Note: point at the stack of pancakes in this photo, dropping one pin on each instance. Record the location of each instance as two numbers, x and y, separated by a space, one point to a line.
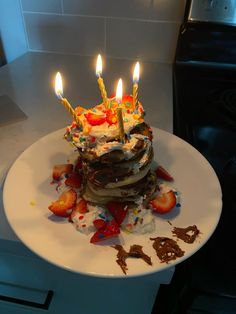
116 171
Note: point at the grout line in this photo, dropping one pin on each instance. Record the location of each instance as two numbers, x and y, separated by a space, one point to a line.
105 37
24 25
62 7
106 17
94 55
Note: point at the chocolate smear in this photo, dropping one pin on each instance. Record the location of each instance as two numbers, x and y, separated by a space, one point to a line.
135 251
187 234
166 249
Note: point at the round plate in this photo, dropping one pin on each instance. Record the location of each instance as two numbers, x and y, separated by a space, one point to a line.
28 192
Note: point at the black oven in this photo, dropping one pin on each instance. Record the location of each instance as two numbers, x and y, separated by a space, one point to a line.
204 89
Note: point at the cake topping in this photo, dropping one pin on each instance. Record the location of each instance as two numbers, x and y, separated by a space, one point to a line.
188 234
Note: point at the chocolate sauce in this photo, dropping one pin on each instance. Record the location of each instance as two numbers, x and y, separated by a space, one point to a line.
188 234
134 251
137 251
166 249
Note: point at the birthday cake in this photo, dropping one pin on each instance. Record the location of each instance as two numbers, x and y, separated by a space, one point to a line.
112 186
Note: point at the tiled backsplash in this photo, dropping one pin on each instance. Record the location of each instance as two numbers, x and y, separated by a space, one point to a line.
127 29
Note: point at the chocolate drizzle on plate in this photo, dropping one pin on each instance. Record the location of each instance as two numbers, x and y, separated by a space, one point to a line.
135 251
166 249
188 234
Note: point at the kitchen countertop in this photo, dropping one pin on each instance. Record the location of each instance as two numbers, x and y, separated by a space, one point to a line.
29 81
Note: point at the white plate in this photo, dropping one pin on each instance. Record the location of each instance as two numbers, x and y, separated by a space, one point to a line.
57 241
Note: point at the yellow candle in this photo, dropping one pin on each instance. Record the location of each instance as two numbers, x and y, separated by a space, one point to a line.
135 85
67 105
121 124
135 95
100 80
119 93
102 90
64 101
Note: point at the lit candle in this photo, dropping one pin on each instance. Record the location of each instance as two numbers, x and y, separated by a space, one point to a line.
135 85
64 101
119 93
100 80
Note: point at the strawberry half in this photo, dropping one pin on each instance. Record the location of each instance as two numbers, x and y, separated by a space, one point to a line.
79 110
111 229
78 165
62 206
163 203
118 211
59 170
127 100
95 119
162 173
80 207
99 223
111 116
74 180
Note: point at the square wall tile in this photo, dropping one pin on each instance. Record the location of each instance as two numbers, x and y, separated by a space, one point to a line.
170 10
65 34
150 41
46 6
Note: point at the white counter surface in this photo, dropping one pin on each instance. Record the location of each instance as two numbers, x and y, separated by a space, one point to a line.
29 81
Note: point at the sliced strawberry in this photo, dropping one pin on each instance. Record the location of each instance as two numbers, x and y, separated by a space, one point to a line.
163 203
111 116
99 223
62 206
78 165
74 180
118 211
127 100
95 119
162 173
79 110
59 170
81 206
111 229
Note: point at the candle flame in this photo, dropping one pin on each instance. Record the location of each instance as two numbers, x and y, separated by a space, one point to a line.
136 73
119 92
99 66
58 85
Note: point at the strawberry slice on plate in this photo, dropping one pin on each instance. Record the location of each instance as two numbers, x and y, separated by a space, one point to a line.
95 119
78 165
60 169
66 201
118 211
80 207
110 230
99 223
74 180
162 173
163 203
